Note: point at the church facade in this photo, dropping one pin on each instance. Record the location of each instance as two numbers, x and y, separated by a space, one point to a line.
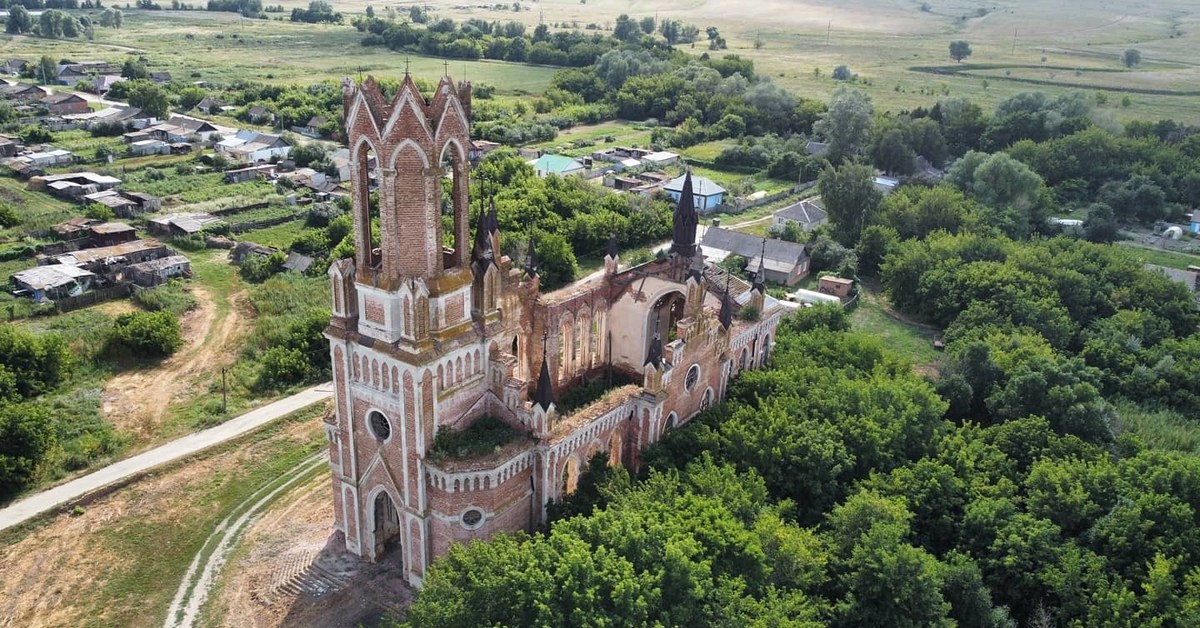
427 338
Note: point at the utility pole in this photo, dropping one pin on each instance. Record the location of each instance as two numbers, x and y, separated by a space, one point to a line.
828 32
1014 46
224 393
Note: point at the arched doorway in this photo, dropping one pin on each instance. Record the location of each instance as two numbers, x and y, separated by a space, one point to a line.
662 317
570 476
386 524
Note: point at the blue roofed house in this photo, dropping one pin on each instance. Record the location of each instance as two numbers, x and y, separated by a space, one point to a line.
705 193
556 164
1196 221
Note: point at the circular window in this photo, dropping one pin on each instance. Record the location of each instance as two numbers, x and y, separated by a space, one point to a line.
693 376
379 425
472 518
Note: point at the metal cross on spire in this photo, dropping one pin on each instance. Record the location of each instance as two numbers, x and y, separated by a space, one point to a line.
445 67
406 65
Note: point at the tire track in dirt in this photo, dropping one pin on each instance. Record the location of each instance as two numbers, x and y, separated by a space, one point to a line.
202 573
137 401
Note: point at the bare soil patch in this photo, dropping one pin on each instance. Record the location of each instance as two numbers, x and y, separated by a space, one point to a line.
293 570
137 401
78 570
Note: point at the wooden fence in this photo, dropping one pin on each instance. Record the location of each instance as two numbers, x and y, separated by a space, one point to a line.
67 304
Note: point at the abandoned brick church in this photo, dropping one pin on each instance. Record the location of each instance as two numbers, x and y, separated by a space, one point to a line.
427 338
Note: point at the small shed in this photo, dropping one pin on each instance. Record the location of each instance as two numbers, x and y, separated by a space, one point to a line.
111 233
157 272
837 286
297 262
53 281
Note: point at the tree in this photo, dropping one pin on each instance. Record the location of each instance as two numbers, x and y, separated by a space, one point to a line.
47 70
26 437
148 334
626 28
1131 57
890 153
876 242
1100 224
19 20
1012 191
846 126
960 49
647 25
850 199
147 96
842 73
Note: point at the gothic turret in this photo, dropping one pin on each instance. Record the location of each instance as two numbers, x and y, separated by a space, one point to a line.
725 316
611 255
683 241
543 395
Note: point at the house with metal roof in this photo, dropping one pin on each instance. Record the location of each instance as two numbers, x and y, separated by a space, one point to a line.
560 165
53 281
706 193
784 262
808 214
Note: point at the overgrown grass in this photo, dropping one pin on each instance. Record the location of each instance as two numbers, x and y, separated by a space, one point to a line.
1160 429
175 297
486 435
193 188
1170 259
910 340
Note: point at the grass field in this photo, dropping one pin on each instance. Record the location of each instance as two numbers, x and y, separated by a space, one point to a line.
882 40
1170 259
910 340
222 48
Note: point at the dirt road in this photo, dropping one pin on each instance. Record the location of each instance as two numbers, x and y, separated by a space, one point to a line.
137 401
50 499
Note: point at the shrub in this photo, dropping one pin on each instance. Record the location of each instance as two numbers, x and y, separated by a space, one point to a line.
171 297
8 216
259 268
96 211
283 366
147 334
34 134
842 73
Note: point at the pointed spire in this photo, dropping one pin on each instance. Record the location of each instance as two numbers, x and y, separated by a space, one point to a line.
683 241
759 282
482 251
544 393
611 250
655 354
493 222
725 316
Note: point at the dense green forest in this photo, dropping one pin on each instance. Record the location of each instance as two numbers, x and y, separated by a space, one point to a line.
839 488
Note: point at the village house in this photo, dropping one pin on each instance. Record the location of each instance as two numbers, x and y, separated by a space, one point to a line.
24 169
104 260
8 147
161 77
244 250
116 114
480 148
427 339
660 159
708 195
102 84
47 158
62 103
785 262
149 147
560 165
55 281
209 105
886 185
250 173
259 114
73 185
182 223
74 228
159 271
808 214
253 147
312 128
13 67
120 206
24 92
179 129
72 73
